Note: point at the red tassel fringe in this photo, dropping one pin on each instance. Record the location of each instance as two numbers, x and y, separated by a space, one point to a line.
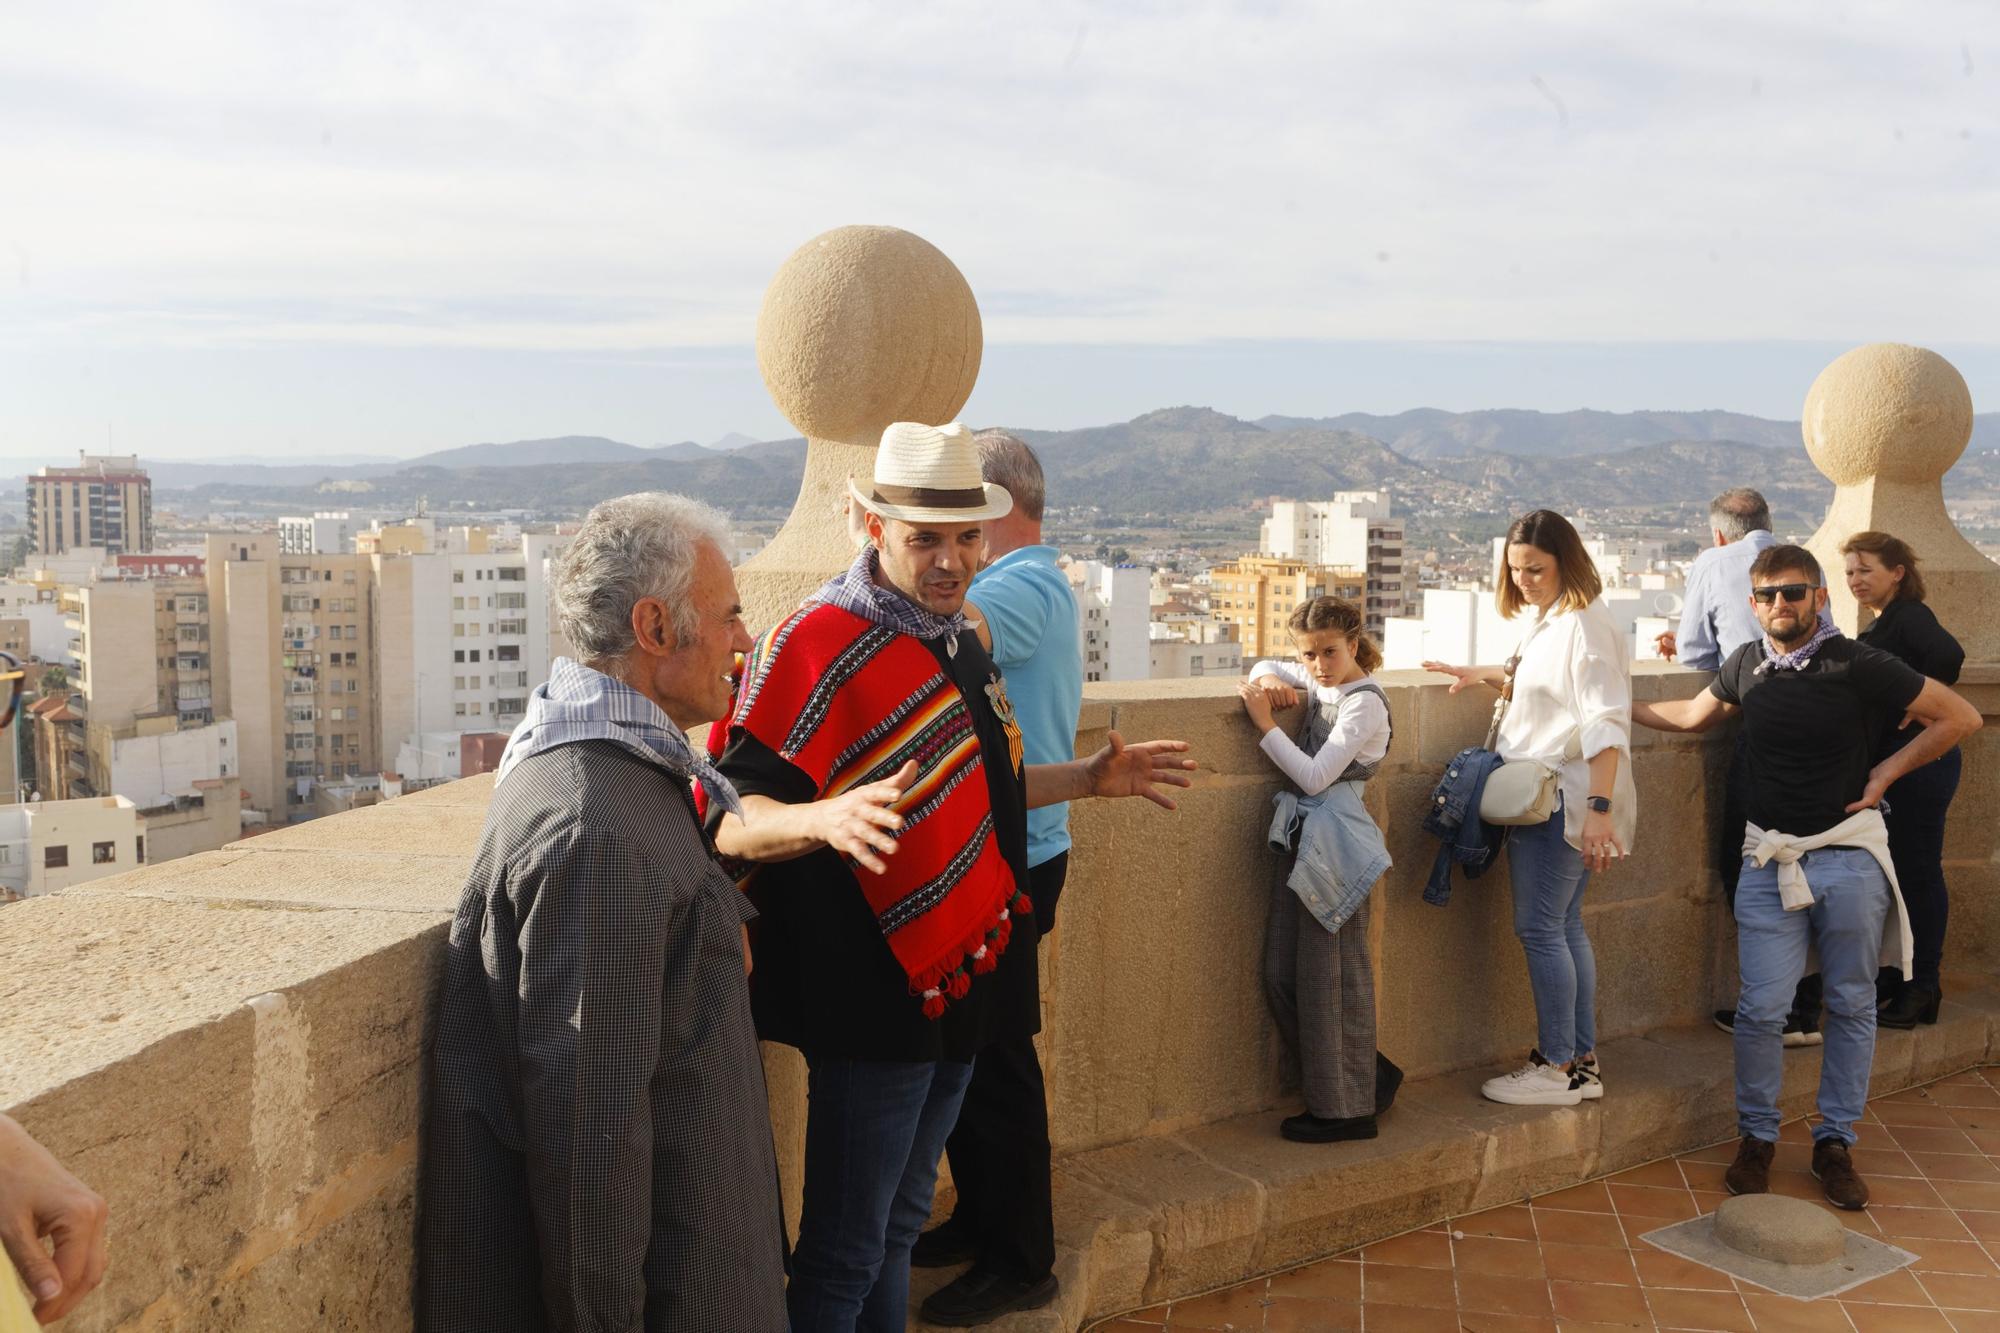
952 978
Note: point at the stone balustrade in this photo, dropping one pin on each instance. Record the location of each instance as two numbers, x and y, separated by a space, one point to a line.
230 1046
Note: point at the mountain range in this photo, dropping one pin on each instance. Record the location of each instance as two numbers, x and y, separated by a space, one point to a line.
1174 461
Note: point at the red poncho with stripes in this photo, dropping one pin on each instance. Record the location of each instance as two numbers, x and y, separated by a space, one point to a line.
848 703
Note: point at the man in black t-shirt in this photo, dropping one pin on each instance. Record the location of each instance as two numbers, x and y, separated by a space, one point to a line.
1816 870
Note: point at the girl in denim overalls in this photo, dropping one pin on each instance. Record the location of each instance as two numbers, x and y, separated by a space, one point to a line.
1317 976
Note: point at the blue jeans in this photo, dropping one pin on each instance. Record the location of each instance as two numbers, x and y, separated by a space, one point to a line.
1850 905
874 1132
1549 880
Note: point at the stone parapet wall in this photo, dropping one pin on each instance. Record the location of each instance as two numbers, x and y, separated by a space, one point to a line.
229 1046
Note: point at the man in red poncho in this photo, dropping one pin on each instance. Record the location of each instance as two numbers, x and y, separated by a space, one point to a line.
891 969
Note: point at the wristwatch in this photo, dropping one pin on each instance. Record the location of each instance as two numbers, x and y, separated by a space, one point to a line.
1601 804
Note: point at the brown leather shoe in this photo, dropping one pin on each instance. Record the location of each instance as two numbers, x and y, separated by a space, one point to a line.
1750 1173
1834 1170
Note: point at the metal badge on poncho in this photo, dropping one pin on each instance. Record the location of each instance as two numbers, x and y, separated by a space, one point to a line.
1003 708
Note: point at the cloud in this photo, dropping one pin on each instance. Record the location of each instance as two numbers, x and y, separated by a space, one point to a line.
623 176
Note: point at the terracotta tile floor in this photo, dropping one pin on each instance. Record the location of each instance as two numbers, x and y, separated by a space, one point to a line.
1574 1260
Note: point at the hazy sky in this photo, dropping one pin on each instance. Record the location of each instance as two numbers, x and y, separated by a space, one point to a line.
239 226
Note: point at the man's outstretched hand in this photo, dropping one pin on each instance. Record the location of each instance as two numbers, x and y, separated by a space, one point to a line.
1138 770
862 823
38 1198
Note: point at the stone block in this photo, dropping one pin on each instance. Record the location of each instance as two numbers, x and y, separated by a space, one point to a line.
92 981
325 878
406 827
1663 1092
1168 1026
1320 1199
1107 1252
366 1047
260 1123
1205 1219
1972 834
1447 722
1670 856
1205 713
181 1177
1521 1150
1655 962
473 791
348 1273
1451 982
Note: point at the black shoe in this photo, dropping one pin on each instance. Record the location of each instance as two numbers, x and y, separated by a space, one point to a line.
978 1295
1797 1031
1915 1003
1309 1128
1388 1078
943 1246
1888 984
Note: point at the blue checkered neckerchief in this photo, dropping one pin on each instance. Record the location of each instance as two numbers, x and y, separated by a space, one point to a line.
1796 659
581 704
858 592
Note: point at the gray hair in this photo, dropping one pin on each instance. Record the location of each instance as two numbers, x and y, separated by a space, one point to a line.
635 546
1739 512
1006 460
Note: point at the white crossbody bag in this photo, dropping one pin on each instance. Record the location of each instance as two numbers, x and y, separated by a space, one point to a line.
1520 791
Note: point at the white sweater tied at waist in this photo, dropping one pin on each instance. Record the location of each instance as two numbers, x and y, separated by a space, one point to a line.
1864 830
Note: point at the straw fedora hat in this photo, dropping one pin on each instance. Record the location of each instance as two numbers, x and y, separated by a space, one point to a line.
930 474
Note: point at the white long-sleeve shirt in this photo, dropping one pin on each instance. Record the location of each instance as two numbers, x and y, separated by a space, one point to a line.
1575 679
1360 730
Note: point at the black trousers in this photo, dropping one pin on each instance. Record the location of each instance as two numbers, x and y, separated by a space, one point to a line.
1917 805
999 1151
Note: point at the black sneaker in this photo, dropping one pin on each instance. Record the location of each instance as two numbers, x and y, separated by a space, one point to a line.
1306 1127
1797 1031
943 1246
979 1295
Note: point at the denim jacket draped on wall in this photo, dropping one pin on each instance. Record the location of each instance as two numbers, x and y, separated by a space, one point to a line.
1453 818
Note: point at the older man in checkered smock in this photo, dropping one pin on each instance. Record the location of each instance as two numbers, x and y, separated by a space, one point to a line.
598 1145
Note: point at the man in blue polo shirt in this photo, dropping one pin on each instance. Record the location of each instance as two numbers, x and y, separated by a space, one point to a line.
1025 615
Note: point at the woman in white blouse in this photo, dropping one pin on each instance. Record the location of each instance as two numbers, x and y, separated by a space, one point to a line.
1572 683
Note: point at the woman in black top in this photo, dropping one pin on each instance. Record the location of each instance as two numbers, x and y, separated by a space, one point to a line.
1882 575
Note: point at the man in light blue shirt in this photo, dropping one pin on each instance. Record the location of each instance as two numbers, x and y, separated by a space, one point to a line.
1715 613
1025 614
1716 618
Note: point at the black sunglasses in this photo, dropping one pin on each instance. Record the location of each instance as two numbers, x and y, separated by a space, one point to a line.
1792 592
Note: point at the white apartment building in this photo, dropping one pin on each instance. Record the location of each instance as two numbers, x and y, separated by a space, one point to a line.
1114 612
1353 530
51 845
1172 657
50 637
462 639
1464 626
325 533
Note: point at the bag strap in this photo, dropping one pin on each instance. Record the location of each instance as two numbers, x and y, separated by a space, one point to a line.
1572 749
1500 704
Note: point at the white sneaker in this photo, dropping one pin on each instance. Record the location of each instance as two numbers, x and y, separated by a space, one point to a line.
1588 1080
1537 1083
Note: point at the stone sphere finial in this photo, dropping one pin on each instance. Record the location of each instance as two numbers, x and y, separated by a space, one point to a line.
865 326
1887 411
